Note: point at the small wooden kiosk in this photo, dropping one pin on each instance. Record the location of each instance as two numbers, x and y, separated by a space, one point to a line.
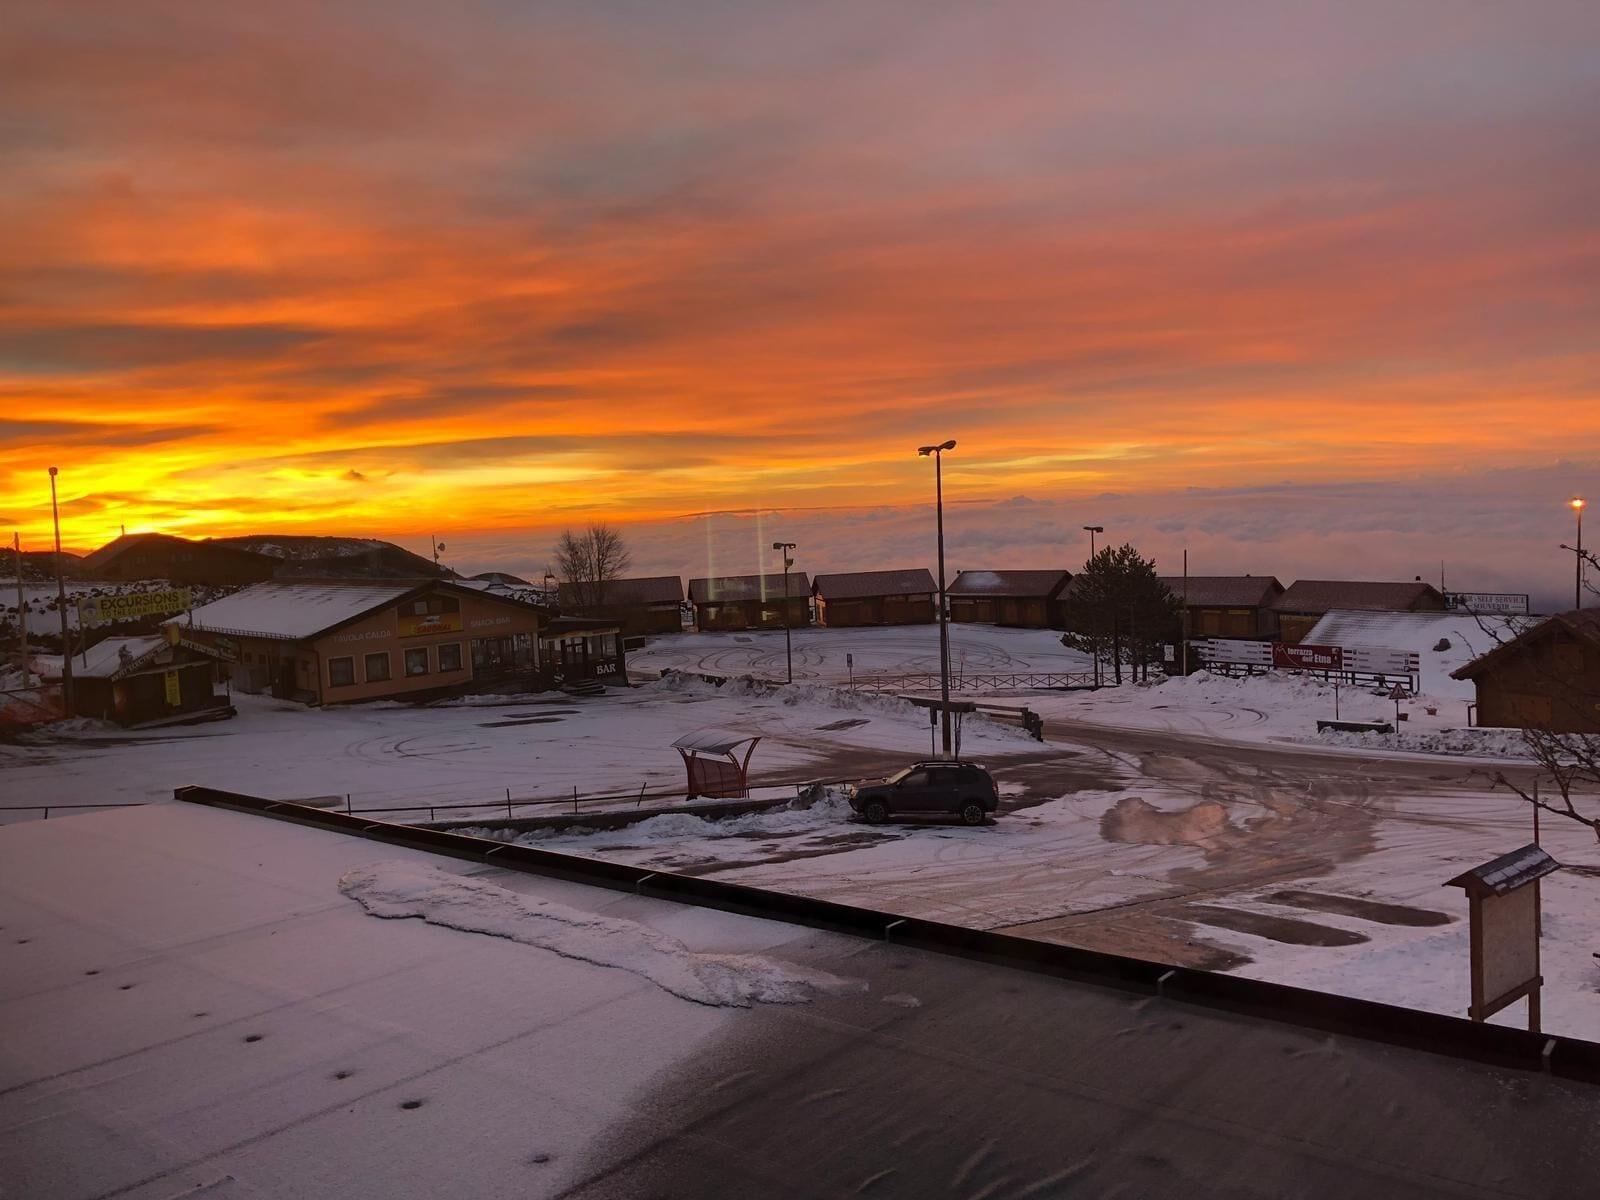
1504 897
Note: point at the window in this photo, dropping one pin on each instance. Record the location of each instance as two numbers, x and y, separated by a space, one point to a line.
417 661
341 672
378 668
450 656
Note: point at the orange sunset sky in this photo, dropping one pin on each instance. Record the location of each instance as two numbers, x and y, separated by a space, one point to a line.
400 268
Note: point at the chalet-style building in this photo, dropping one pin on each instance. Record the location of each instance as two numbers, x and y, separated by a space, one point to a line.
650 604
501 579
331 642
730 602
163 678
1227 606
162 556
1305 601
1028 599
1546 678
875 598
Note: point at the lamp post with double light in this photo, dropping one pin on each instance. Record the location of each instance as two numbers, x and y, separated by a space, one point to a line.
788 651
937 453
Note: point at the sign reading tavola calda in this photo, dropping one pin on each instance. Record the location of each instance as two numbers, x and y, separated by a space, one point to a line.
107 610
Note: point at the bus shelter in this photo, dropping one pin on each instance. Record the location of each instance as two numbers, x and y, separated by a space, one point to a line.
711 758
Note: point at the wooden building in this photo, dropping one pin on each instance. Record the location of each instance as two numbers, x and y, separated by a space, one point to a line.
156 679
162 556
1227 606
576 649
1027 599
1305 602
731 602
650 604
336 641
875 598
1546 678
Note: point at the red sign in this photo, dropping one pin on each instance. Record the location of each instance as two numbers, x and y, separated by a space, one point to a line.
1307 658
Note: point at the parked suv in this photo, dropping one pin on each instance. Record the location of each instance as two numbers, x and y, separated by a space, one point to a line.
947 787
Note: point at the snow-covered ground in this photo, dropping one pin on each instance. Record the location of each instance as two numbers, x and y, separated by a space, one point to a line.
539 747
896 650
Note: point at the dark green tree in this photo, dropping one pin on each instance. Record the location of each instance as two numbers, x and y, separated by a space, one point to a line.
1117 610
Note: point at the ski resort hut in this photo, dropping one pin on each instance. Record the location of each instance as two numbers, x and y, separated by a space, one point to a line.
875 598
733 602
711 758
1227 606
154 679
334 641
650 604
1547 678
1305 601
1028 599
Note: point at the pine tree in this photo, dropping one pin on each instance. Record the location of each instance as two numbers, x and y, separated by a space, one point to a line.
1116 609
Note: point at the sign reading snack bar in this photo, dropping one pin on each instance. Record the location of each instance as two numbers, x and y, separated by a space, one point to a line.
105 610
1307 658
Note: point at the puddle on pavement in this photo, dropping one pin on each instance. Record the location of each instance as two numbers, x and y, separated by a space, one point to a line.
1366 910
1288 930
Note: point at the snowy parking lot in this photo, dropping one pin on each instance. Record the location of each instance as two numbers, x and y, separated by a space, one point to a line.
1198 821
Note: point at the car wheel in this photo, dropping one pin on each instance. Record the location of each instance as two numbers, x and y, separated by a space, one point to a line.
875 811
972 813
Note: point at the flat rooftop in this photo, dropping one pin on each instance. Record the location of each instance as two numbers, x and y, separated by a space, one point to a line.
191 1006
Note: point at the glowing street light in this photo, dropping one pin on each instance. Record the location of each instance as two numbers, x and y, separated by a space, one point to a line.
937 452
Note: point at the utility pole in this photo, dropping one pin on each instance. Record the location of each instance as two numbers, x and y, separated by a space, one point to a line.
61 602
22 610
944 620
788 650
1091 530
1578 503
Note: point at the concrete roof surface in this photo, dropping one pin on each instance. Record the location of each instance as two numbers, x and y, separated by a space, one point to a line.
191 1007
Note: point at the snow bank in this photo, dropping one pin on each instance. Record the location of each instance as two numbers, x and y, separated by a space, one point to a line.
1481 743
405 889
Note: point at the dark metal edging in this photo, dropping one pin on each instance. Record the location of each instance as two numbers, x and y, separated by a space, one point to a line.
1570 1058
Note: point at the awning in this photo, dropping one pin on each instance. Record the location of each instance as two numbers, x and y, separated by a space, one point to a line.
714 741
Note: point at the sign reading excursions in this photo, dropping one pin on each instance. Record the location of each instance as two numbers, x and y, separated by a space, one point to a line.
101 610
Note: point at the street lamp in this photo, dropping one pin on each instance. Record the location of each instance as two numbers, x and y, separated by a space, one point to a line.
1091 530
788 652
944 620
61 602
1578 504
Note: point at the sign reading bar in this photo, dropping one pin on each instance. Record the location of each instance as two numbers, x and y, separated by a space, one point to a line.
1307 658
1513 604
104 610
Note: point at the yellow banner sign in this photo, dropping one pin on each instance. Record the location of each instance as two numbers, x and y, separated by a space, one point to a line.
415 626
104 610
174 689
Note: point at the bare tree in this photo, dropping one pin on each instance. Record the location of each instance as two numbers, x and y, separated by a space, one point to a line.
590 560
1565 745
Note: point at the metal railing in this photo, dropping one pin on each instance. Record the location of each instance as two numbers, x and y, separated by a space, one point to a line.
48 808
982 681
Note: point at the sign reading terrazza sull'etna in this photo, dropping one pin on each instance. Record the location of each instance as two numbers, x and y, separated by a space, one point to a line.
103 610
1307 658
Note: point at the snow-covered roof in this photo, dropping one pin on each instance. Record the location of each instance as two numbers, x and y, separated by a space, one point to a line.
854 585
1324 595
1508 872
104 659
714 741
287 609
1224 591
729 589
1008 583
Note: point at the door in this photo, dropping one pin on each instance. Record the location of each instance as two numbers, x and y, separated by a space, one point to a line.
911 793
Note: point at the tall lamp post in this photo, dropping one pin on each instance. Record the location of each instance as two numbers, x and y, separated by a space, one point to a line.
61 601
944 621
1091 530
1578 504
788 651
